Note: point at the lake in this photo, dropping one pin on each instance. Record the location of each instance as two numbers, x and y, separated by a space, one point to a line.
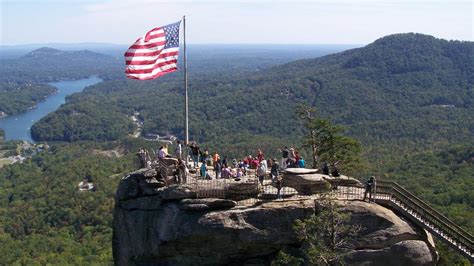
17 127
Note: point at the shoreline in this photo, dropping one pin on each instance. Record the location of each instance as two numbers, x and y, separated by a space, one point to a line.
29 108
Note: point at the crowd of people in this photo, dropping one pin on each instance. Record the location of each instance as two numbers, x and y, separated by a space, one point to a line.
223 167
202 161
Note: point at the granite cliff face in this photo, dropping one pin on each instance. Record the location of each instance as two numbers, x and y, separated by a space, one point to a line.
157 225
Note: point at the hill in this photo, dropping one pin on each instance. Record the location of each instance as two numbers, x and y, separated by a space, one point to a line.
48 64
18 98
22 79
44 219
404 91
394 112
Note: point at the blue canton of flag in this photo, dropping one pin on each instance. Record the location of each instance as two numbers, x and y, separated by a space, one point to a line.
172 35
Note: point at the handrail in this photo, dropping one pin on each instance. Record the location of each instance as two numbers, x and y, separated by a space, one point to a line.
410 205
430 214
425 205
432 219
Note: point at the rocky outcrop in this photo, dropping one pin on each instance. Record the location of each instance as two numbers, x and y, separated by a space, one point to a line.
159 226
309 181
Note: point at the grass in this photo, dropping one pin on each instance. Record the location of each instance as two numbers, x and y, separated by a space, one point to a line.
5 161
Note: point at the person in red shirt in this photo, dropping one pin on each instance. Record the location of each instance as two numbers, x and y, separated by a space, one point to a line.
260 156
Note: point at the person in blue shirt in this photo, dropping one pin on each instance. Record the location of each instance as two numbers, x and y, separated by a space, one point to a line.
203 169
301 163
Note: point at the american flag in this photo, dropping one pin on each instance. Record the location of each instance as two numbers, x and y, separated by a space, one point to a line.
155 54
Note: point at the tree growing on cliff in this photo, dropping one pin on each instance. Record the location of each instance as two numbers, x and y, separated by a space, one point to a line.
326 234
327 141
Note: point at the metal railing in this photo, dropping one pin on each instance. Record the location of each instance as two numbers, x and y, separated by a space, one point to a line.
391 193
387 193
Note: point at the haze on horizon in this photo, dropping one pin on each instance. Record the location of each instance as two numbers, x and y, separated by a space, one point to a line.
232 22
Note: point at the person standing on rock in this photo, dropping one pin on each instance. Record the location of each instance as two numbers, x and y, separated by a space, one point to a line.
181 172
195 153
291 161
284 157
301 162
162 153
261 171
205 156
215 158
218 168
274 170
203 169
260 155
148 160
278 186
141 158
325 169
224 162
179 150
369 188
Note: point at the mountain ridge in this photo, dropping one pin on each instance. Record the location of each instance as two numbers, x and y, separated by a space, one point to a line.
379 102
47 64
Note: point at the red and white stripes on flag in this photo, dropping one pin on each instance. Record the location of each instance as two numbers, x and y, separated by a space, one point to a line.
154 54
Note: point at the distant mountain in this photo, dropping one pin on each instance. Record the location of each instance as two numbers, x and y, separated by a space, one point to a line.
16 51
43 51
48 54
47 64
404 91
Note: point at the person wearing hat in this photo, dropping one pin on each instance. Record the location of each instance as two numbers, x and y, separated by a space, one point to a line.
369 188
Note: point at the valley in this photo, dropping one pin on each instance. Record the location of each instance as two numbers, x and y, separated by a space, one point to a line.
408 98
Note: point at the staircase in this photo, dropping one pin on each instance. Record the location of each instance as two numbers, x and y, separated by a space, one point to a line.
396 197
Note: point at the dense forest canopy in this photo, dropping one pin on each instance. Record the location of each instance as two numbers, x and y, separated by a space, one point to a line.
22 80
44 219
407 97
412 90
15 99
30 70
47 65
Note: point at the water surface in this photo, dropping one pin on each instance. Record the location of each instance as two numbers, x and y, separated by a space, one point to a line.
17 127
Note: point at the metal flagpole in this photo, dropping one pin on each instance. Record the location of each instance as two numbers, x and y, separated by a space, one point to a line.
186 133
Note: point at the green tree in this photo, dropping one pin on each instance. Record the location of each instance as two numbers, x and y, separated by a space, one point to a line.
326 235
327 142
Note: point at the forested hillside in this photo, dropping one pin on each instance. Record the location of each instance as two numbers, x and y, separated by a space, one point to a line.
409 91
22 80
445 179
45 219
18 98
407 97
47 65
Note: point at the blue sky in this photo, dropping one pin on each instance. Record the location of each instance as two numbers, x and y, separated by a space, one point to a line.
227 21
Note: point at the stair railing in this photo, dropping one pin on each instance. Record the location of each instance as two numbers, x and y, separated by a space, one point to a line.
435 222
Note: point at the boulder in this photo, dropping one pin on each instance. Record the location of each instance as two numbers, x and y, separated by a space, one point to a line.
177 192
305 183
300 171
409 252
206 204
342 180
244 188
270 192
137 184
